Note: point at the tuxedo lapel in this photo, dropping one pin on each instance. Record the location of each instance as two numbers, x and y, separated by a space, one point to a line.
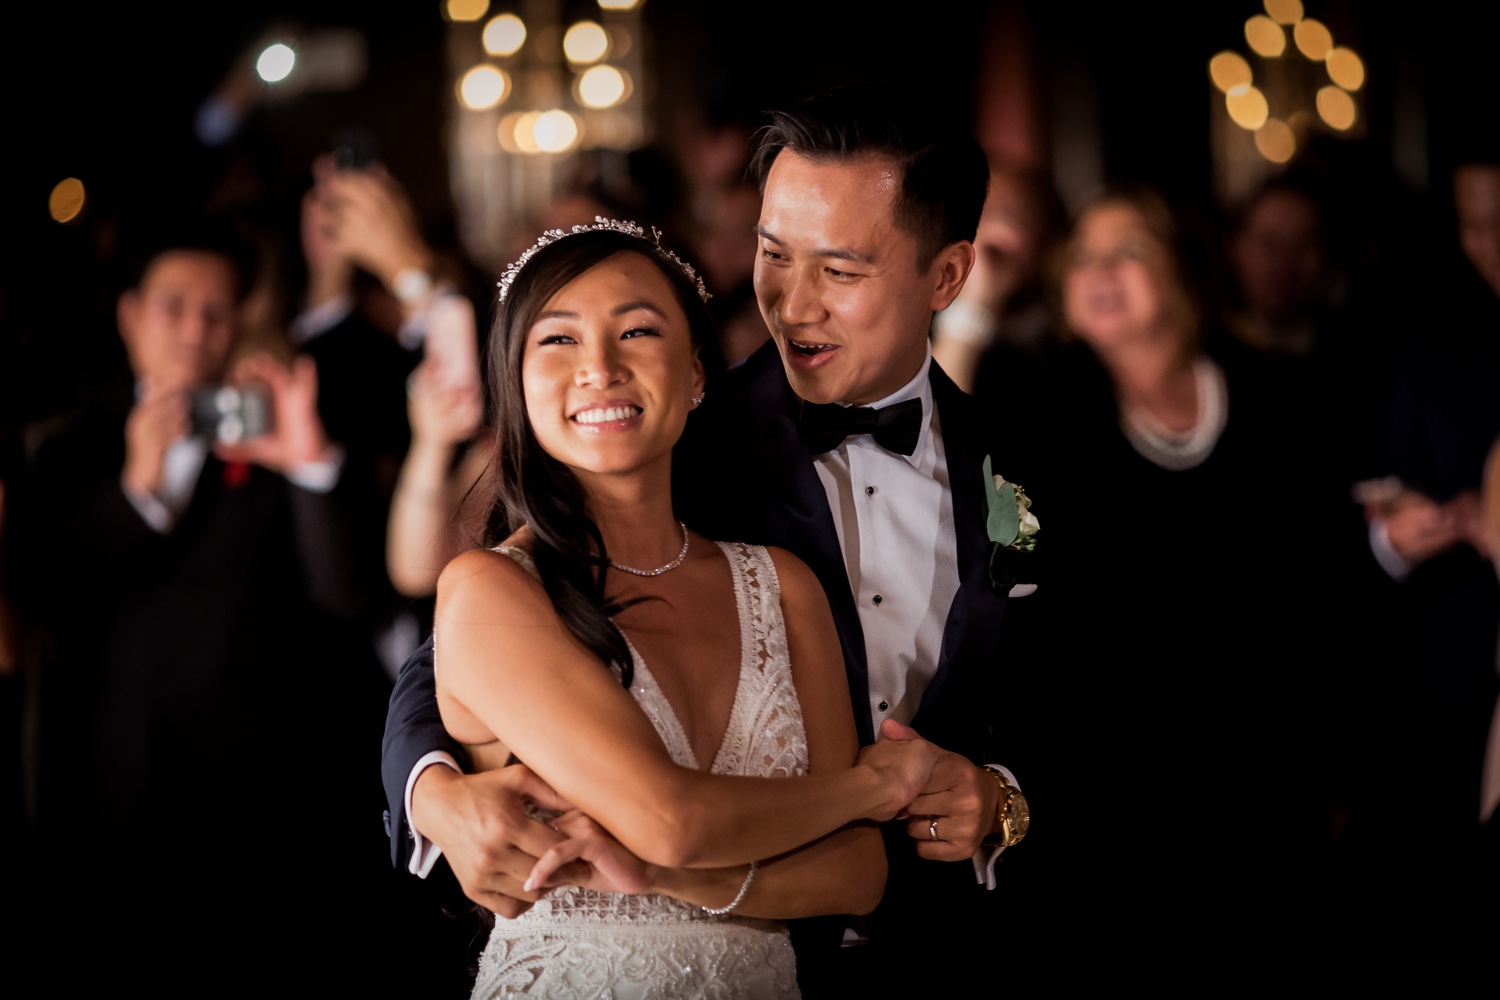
797 514
972 631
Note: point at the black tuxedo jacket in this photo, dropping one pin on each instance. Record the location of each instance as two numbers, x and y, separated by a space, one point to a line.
174 652
757 483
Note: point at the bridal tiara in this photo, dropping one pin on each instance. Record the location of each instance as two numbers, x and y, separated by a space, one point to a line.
626 226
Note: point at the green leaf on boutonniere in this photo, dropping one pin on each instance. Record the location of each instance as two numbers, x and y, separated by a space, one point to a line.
1002 521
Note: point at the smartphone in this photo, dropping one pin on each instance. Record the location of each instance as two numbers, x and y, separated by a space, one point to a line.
230 414
353 148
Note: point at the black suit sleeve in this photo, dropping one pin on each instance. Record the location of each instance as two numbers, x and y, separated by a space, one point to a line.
413 729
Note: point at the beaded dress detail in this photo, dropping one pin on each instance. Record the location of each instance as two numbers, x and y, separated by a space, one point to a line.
579 943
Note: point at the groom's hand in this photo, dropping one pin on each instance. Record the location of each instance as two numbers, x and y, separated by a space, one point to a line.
480 822
962 799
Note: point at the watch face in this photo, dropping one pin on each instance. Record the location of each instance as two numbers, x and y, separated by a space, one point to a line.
1017 817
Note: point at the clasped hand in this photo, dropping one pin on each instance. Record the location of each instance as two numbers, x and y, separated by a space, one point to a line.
953 797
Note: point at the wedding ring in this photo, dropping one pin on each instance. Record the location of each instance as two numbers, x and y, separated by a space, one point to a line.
932 829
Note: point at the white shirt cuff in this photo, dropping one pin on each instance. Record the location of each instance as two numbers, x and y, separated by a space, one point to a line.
152 511
424 853
320 318
1396 566
320 476
984 859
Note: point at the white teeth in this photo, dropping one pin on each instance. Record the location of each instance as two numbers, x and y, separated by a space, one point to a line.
607 414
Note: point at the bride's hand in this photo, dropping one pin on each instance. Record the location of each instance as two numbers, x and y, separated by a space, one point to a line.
610 867
903 761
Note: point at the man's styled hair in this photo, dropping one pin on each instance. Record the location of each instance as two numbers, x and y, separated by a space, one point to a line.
944 174
148 243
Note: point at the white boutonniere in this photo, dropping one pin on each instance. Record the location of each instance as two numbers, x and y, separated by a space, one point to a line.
1008 517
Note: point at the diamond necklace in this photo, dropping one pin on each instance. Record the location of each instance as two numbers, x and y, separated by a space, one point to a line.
658 571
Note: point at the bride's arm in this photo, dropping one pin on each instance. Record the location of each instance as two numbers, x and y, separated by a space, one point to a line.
509 660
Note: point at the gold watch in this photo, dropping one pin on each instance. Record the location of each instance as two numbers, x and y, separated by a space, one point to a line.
1012 815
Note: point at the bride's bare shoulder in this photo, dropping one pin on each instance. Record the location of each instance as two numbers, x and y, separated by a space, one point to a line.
490 587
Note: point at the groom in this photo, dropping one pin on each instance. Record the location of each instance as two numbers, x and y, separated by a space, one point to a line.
859 455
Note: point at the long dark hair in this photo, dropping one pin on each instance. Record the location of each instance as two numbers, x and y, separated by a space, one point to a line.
533 488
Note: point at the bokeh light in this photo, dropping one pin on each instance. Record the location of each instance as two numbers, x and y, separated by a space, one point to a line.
1276 140
504 35
1336 107
585 42
1346 68
1313 39
603 87
275 63
66 200
555 131
619 4
466 10
1247 107
1284 11
523 132
1265 36
1229 70
482 88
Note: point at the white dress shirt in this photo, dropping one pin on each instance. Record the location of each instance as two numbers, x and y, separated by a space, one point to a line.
902 560
184 463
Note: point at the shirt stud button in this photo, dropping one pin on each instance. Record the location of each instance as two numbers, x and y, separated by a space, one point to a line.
884 705
869 491
878 599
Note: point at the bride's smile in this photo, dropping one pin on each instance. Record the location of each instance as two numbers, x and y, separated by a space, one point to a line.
609 370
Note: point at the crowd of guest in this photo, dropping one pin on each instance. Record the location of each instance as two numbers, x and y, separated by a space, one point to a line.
1268 611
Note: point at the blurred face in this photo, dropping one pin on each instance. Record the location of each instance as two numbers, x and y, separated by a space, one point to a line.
1113 290
1278 256
179 325
1476 196
609 369
838 282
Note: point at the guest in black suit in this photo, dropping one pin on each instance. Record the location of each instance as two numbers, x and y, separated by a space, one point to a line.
867 229
186 580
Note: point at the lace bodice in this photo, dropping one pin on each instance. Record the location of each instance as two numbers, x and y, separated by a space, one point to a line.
575 942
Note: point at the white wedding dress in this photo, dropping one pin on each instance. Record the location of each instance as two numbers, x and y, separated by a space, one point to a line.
578 943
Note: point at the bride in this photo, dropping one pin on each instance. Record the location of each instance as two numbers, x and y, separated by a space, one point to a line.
685 697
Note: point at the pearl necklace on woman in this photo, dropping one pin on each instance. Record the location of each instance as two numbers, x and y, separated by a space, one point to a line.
658 571
1173 450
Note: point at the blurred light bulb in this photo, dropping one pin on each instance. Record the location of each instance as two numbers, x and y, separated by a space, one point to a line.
1275 140
1247 107
524 133
1346 69
1313 39
555 131
1265 36
602 87
1284 12
66 200
466 10
585 42
482 88
1229 70
506 133
619 4
275 63
1336 107
504 35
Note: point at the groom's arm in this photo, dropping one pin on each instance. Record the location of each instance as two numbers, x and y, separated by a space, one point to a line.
414 740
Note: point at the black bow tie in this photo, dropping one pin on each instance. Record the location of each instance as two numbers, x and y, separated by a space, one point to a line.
895 428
